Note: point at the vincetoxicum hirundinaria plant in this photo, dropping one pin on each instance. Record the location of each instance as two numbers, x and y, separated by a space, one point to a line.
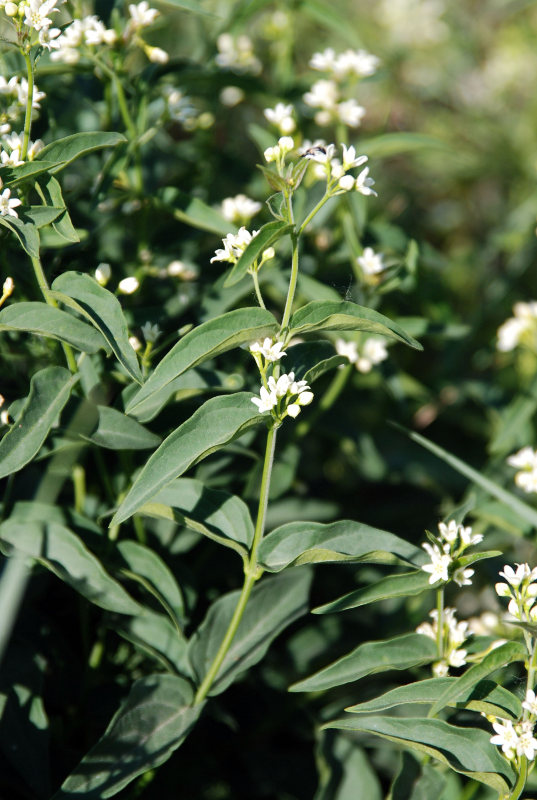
90 407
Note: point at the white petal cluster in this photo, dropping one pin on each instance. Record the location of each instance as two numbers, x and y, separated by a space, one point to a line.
515 739
371 263
269 349
454 633
325 95
521 589
239 209
13 99
521 328
141 15
441 561
336 172
8 204
89 31
237 54
284 396
525 461
278 151
364 357
14 142
458 536
128 285
36 13
358 63
282 117
234 245
452 540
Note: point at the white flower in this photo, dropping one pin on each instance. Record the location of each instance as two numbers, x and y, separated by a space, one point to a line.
524 459
234 245
440 669
11 159
522 573
357 62
7 290
135 343
526 744
370 262
282 117
364 183
35 13
48 38
272 154
462 576
4 417
281 386
516 328
373 351
128 285
286 144
231 96
506 737
266 401
103 273
350 159
321 153
457 658
439 565
350 113
8 204
347 350
325 61
239 208
323 94
530 702
237 54
141 15
271 351
346 182
156 55
150 332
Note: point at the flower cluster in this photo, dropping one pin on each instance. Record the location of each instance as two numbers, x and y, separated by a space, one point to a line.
8 204
520 328
336 172
13 99
237 54
365 356
240 209
283 396
234 246
358 63
14 141
33 22
521 589
516 739
445 550
526 461
452 635
281 117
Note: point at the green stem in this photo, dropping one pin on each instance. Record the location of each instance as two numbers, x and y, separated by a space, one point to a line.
257 289
29 104
440 622
521 780
252 573
292 283
45 290
312 213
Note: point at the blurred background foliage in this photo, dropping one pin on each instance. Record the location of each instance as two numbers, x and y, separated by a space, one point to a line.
450 129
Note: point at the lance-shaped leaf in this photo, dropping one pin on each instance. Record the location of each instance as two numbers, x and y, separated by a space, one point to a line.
465 750
64 151
415 780
143 565
103 310
205 341
334 315
501 656
152 722
511 500
51 193
216 423
116 431
157 636
49 392
401 652
218 515
267 236
405 585
39 215
25 231
53 323
63 553
484 697
315 542
12 176
310 360
346 771
273 605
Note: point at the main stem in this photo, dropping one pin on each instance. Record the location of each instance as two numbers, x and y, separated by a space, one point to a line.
29 105
252 571
45 290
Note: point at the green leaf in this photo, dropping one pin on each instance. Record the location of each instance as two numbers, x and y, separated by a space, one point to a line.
147 568
188 5
273 605
213 513
345 771
51 192
484 697
408 584
116 431
401 652
158 637
274 180
152 722
416 781
46 320
310 360
63 553
314 542
103 310
267 236
501 656
216 423
465 750
523 509
327 15
64 151
392 144
39 215
49 392
206 341
26 233
193 211
12 176
326 315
